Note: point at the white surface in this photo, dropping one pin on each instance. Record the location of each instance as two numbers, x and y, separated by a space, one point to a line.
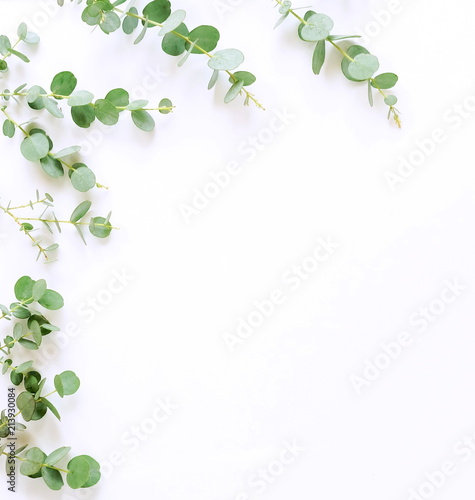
161 338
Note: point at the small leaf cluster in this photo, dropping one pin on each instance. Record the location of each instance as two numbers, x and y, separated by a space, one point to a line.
176 39
98 226
29 328
8 49
357 65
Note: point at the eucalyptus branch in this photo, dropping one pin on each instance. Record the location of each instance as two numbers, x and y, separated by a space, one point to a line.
99 227
177 39
32 403
357 65
7 49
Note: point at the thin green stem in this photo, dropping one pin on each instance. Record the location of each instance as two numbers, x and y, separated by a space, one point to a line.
14 341
64 222
249 96
20 304
42 465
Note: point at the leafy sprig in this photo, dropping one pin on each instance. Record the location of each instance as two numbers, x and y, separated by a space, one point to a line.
177 39
28 329
8 49
98 226
357 65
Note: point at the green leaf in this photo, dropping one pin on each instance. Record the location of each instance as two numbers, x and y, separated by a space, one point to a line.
84 472
38 103
67 151
8 128
52 167
142 32
363 67
18 331
26 405
52 107
157 11
34 131
370 94
207 37
233 92
23 289
243 76
227 59
39 289
138 104
80 211
51 407
129 24
118 97
28 344
174 45
318 57
384 81
52 478
318 28
165 103
40 411
143 120
63 83
106 112
3 66
214 79
342 37
80 98
19 55
99 227
83 116
83 178
352 51
66 383
54 457
110 22
24 367
31 38
34 147
16 378
35 460
175 19
5 45
51 300
390 100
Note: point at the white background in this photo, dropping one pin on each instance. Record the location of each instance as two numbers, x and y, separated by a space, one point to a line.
187 284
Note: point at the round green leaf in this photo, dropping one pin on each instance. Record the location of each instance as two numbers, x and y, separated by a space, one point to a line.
38 103
52 478
143 120
226 59
34 147
99 227
172 23
165 103
173 44
118 97
385 81
23 289
318 28
390 100
8 128
64 83
83 116
79 472
157 11
26 405
363 66
52 167
34 462
207 38
83 179
106 112
39 289
40 411
51 300
66 383
110 22
130 23
243 76
34 131
352 51
94 474
233 92
3 66
80 98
